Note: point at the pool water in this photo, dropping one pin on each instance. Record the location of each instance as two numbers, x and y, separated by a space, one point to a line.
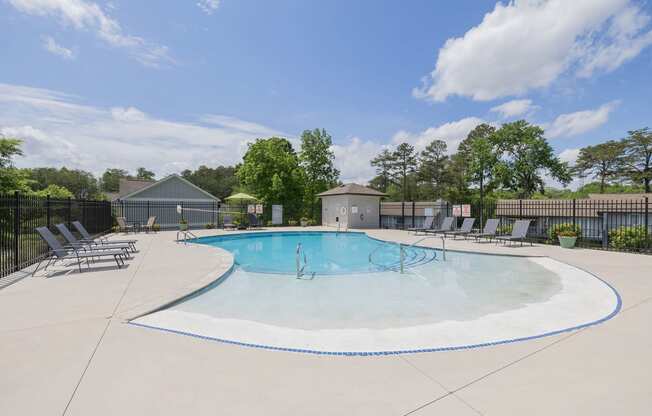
325 252
346 303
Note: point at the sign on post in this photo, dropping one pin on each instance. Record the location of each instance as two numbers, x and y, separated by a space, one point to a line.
457 210
259 208
466 210
251 209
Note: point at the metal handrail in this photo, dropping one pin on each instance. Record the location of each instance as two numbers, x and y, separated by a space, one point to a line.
401 254
184 235
300 268
443 244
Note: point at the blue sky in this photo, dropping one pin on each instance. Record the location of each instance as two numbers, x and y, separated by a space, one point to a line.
171 85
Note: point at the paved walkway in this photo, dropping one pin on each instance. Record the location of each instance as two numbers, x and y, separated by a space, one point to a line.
65 349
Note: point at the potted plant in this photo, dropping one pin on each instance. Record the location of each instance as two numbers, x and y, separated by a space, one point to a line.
304 221
567 238
183 224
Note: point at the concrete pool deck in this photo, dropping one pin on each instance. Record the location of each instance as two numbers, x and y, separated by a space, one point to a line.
66 349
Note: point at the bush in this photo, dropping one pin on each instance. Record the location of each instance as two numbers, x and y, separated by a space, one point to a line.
312 223
292 223
270 223
156 227
628 238
565 229
183 221
210 226
505 229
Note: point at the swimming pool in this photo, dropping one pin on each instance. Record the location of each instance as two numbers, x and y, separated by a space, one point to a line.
352 298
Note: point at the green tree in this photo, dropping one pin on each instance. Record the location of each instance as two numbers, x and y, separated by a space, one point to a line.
11 178
220 181
526 156
482 162
383 164
638 157
82 184
432 172
403 165
270 170
603 161
54 191
316 159
111 179
144 174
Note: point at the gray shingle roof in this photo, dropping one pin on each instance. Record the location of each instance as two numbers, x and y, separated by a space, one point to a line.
352 189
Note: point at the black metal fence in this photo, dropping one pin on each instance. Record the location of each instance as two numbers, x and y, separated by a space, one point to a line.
197 214
623 225
20 245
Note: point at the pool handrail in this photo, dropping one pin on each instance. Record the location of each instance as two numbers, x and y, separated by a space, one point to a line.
299 252
443 243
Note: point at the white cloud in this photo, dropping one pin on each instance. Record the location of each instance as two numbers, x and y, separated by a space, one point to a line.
85 15
452 133
59 131
209 6
528 44
569 156
514 108
54 48
572 124
353 159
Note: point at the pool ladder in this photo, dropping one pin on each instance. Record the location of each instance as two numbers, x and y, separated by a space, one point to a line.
184 236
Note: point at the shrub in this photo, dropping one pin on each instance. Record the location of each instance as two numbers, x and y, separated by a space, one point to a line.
210 226
628 238
566 229
292 223
156 227
505 229
183 221
312 222
270 223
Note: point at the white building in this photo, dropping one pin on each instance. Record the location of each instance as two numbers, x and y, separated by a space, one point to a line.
351 206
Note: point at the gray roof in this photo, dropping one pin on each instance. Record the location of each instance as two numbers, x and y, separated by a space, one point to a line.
129 186
352 189
181 189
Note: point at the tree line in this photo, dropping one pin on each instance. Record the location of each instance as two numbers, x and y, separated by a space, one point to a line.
510 161
271 169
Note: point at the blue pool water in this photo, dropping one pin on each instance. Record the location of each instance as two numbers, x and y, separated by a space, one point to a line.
325 252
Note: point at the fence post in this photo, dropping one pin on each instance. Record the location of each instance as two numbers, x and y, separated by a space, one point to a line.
647 232
148 209
380 214
520 208
413 206
403 214
574 216
69 211
16 228
48 214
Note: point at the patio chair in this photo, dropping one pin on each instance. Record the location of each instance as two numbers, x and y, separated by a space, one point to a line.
87 238
519 232
123 226
489 230
427 224
78 244
150 224
58 252
228 223
465 229
446 227
253 221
